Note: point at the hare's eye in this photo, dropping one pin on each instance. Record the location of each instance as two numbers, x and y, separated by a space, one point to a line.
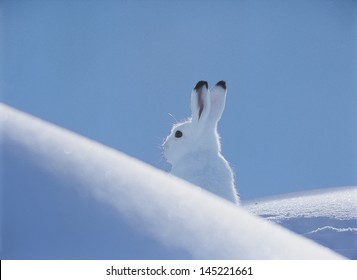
178 134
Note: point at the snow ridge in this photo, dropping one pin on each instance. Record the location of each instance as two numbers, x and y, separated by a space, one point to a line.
338 203
333 229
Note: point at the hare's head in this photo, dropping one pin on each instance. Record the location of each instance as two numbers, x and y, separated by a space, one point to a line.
198 133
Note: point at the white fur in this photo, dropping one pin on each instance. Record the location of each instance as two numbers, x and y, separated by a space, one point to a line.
196 155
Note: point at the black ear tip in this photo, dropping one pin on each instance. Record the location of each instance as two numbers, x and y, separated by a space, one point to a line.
222 84
201 84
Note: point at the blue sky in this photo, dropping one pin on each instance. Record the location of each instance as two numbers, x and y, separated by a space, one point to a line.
113 70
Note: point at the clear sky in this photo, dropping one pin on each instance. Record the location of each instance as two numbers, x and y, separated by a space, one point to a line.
113 70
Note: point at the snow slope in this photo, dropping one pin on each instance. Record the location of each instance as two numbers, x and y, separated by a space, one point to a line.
67 197
327 216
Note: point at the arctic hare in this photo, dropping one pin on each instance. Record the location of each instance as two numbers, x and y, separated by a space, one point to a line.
193 147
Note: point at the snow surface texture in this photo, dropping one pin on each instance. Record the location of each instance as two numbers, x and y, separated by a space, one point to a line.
327 216
67 197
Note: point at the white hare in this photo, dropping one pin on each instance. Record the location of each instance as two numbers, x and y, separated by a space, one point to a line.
193 147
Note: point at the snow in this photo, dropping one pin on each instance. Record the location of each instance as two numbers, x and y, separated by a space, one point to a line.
67 197
338 203
327 216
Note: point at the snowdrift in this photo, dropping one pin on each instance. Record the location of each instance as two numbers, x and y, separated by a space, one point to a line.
328 216
67 197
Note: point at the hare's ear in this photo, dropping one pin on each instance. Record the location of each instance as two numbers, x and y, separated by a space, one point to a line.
200 101
218 101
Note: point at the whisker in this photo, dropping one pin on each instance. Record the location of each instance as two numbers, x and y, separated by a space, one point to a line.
173 117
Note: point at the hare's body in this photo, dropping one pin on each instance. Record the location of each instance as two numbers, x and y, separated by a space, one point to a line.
193 147
207 171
